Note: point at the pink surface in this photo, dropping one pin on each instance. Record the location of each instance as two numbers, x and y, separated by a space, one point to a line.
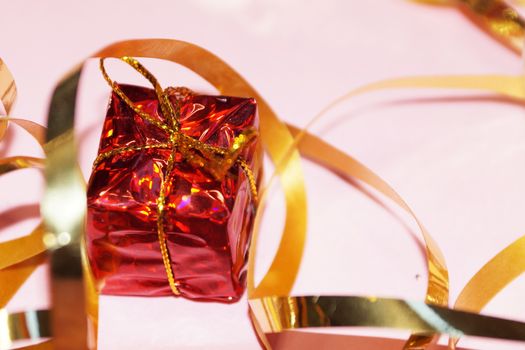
458 162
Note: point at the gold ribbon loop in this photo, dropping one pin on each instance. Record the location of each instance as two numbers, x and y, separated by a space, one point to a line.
280 278
27 325
352 311
21 256
495 17
18 250
491 279
63 206
36 131
20 162
21 249
7 90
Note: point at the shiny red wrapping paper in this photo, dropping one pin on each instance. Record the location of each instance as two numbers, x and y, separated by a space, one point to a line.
208 222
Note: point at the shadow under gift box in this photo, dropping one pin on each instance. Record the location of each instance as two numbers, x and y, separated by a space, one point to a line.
208 223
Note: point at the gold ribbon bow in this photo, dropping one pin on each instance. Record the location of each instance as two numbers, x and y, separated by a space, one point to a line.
215 160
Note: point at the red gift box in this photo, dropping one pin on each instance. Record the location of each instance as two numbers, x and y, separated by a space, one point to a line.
207 221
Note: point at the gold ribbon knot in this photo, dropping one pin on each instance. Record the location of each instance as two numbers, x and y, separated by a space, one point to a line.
215 160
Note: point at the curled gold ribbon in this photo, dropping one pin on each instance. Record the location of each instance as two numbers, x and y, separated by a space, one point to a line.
18 250
347 311
272 293
65 185
7 89
28 325
271 281
20 257
495 17
498 277
505 24
274 277
491 279
64 206
217 72
437 291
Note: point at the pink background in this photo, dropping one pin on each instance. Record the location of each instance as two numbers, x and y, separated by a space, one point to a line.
457 159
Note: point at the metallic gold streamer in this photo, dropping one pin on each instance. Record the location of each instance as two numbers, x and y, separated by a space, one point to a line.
437 291
7 89
505 267
500 27
513 87
46 345
67 137
65 186
18 250
495 17
20 257
344 311
20 162
506 25
61 118
491 279
28 325
498 19
91 299
64 206
12 277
